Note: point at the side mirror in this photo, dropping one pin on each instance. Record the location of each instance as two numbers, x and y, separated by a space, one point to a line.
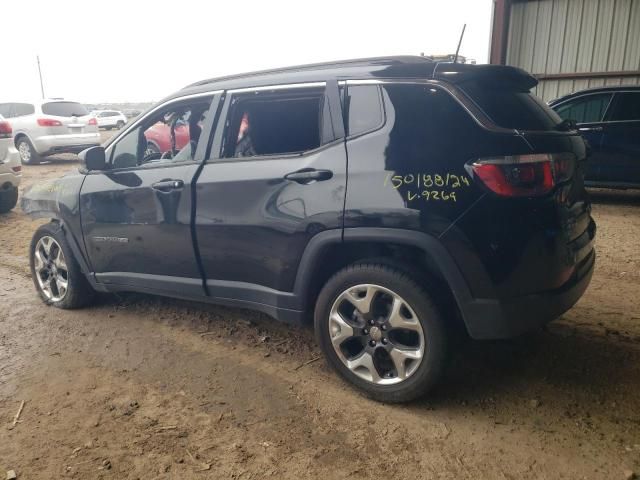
94 158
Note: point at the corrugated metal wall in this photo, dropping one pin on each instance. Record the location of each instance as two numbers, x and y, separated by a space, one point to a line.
569 36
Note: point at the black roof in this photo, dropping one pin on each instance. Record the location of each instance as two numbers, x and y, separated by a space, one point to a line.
406 67
611 88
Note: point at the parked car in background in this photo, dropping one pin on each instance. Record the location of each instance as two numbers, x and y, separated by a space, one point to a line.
609 119
465 207
109 119
131 113
10 168
52 126
159 137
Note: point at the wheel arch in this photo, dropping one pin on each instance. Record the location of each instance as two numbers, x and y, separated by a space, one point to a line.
332 250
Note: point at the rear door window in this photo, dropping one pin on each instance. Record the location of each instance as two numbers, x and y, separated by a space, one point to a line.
625 107
22 109
585 109
274 123
64 109
512 109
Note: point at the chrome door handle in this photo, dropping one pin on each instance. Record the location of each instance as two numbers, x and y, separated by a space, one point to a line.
167 185
309 175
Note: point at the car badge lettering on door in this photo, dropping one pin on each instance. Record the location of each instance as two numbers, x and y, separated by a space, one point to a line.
110 239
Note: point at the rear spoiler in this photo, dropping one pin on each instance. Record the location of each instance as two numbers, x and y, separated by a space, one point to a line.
492 76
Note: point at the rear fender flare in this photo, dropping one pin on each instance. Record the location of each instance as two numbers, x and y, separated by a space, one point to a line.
319 244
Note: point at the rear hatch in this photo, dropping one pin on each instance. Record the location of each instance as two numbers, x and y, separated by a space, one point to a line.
547 184
66 118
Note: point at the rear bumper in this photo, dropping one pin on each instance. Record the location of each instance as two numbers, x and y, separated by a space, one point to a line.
8 177
49 144
496 319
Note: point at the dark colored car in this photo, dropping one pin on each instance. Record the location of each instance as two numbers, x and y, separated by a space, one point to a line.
609 119
390 198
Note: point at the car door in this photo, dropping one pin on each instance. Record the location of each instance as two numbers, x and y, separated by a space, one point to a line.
588 112
136 215
275 177
621 140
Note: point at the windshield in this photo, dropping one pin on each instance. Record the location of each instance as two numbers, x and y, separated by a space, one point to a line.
515 109
64 109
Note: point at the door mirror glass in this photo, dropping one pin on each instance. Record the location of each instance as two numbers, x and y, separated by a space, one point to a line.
94 158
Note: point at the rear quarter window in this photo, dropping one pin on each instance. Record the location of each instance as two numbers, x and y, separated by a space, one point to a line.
512 109
64 109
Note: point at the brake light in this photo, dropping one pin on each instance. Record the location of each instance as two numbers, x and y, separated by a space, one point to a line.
5 130
49 122
17 169
524 175
93 121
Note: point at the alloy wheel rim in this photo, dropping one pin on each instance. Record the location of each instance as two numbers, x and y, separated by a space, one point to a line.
376 334
25 151
51 269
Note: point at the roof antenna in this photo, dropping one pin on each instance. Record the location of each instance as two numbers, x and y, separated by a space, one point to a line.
455 59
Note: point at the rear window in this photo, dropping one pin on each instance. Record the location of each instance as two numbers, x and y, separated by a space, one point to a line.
510 108
64 109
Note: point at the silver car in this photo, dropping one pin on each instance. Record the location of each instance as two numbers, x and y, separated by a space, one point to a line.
50 126
110 119
10 168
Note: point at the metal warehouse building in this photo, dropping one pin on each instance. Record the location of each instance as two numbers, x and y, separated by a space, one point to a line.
569 45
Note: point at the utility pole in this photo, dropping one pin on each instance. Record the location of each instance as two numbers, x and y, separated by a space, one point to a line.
40 73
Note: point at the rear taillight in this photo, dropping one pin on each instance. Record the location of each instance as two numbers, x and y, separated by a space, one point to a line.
523 175
93 121
49 122
5 130
17 169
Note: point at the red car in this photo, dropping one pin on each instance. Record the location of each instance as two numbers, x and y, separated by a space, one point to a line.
159 137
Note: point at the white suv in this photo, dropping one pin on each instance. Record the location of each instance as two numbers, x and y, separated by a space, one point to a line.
110 119
10 168
50 126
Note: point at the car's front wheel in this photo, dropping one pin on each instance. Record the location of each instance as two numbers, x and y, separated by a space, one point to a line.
28 154
381 331
55 272
120 124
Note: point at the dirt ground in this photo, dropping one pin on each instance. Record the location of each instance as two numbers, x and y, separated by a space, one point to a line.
140 387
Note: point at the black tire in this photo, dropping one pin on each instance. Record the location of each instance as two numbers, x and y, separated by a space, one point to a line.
107 128
8 199
120 125
79 292
430 368
34 158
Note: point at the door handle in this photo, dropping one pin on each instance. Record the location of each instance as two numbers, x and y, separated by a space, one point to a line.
309 175
168 185
590 129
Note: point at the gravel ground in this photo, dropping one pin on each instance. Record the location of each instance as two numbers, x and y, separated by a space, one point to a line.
145 387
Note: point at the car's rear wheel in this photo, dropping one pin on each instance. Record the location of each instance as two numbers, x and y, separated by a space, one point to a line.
120 124
55 272
381 331
28 154
8 199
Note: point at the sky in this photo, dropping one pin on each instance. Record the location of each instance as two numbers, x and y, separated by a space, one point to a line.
143 50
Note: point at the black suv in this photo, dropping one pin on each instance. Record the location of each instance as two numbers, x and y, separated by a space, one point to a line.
609 119
388 197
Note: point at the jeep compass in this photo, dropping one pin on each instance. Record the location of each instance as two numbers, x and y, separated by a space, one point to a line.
387 199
